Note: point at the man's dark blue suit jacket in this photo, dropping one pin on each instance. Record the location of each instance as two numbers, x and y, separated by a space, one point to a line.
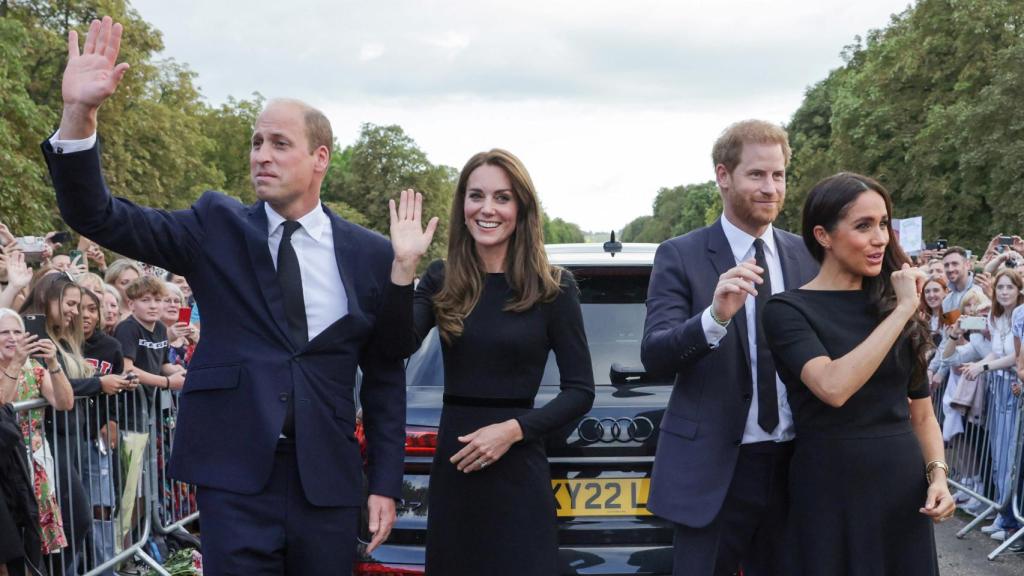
703 425
246 367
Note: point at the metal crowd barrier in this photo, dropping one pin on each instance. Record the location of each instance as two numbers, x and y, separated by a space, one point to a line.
985 458
105 461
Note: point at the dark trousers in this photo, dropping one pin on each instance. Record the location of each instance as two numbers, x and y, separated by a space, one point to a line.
749 531
277 531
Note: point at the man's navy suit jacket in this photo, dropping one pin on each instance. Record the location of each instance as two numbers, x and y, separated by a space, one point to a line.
246 367
700 435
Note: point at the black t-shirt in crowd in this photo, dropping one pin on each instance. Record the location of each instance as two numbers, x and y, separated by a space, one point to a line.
104 353
147 349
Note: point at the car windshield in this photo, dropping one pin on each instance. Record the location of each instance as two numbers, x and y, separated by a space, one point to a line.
612 302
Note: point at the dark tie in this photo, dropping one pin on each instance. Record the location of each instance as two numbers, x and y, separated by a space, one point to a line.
767 402
290 279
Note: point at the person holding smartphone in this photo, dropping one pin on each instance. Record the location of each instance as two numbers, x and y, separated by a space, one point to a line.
182 336
29 369
58 299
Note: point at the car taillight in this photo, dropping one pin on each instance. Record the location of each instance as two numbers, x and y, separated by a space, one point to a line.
375 569
420 441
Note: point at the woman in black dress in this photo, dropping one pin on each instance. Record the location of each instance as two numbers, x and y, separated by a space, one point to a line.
852 349
500 308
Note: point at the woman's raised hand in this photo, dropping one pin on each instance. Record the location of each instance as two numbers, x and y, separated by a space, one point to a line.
409 239
908 283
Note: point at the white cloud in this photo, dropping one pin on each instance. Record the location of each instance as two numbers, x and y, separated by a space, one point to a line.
370 52
605 101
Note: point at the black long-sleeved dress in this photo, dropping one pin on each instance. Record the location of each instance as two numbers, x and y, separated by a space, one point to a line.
501 520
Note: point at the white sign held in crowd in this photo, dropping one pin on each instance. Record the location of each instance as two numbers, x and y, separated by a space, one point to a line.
909 233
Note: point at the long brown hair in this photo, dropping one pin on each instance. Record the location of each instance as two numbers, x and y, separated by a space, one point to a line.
828 203
527 271
997 309
926 312
49 293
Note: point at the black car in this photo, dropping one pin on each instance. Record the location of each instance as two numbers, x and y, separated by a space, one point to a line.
600 465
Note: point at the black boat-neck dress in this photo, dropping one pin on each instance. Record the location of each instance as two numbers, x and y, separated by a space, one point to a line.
501 520
857 476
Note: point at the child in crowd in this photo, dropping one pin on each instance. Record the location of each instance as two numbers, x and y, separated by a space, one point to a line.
143 339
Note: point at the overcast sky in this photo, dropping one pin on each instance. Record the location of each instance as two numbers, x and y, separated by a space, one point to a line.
605 102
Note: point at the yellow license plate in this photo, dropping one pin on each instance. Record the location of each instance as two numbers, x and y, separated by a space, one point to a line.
601 496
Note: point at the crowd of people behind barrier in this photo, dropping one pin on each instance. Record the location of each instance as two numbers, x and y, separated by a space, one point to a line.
974 308
73 326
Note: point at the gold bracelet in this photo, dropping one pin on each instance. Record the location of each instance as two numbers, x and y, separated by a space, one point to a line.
931 468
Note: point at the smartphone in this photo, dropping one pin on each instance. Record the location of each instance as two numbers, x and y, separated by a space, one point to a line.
75 254
941 244
972 323
931 246
1006 240
61 237
36 324
32 247
184 315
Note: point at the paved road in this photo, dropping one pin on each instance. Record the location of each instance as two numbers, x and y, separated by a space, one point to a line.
968 556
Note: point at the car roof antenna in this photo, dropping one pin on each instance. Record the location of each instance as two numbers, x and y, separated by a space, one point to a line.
611 246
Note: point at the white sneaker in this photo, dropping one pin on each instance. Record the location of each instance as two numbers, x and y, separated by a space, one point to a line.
992 528
976 507
998 536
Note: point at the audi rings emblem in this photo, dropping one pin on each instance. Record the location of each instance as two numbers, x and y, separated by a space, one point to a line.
608 430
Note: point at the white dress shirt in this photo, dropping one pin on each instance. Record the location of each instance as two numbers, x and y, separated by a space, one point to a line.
322 289
742 245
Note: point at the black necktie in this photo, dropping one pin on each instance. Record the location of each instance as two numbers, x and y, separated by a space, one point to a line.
767 402
290 279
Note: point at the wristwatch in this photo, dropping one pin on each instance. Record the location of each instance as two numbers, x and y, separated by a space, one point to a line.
984 367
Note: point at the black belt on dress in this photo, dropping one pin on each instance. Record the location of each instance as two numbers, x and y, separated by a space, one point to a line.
456 400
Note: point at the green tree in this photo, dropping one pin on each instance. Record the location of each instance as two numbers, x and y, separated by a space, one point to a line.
26 198
380 164
929 106
229 128
558 231
677 211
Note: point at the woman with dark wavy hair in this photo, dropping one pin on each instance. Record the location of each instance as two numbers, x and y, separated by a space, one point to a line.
868 476
500 308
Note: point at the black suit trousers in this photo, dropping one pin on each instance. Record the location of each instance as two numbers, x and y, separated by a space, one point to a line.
749 531
276 532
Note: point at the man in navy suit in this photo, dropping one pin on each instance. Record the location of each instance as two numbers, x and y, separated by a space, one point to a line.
720 472
294 300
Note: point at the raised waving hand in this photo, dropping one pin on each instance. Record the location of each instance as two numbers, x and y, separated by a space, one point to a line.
409 239
90 77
